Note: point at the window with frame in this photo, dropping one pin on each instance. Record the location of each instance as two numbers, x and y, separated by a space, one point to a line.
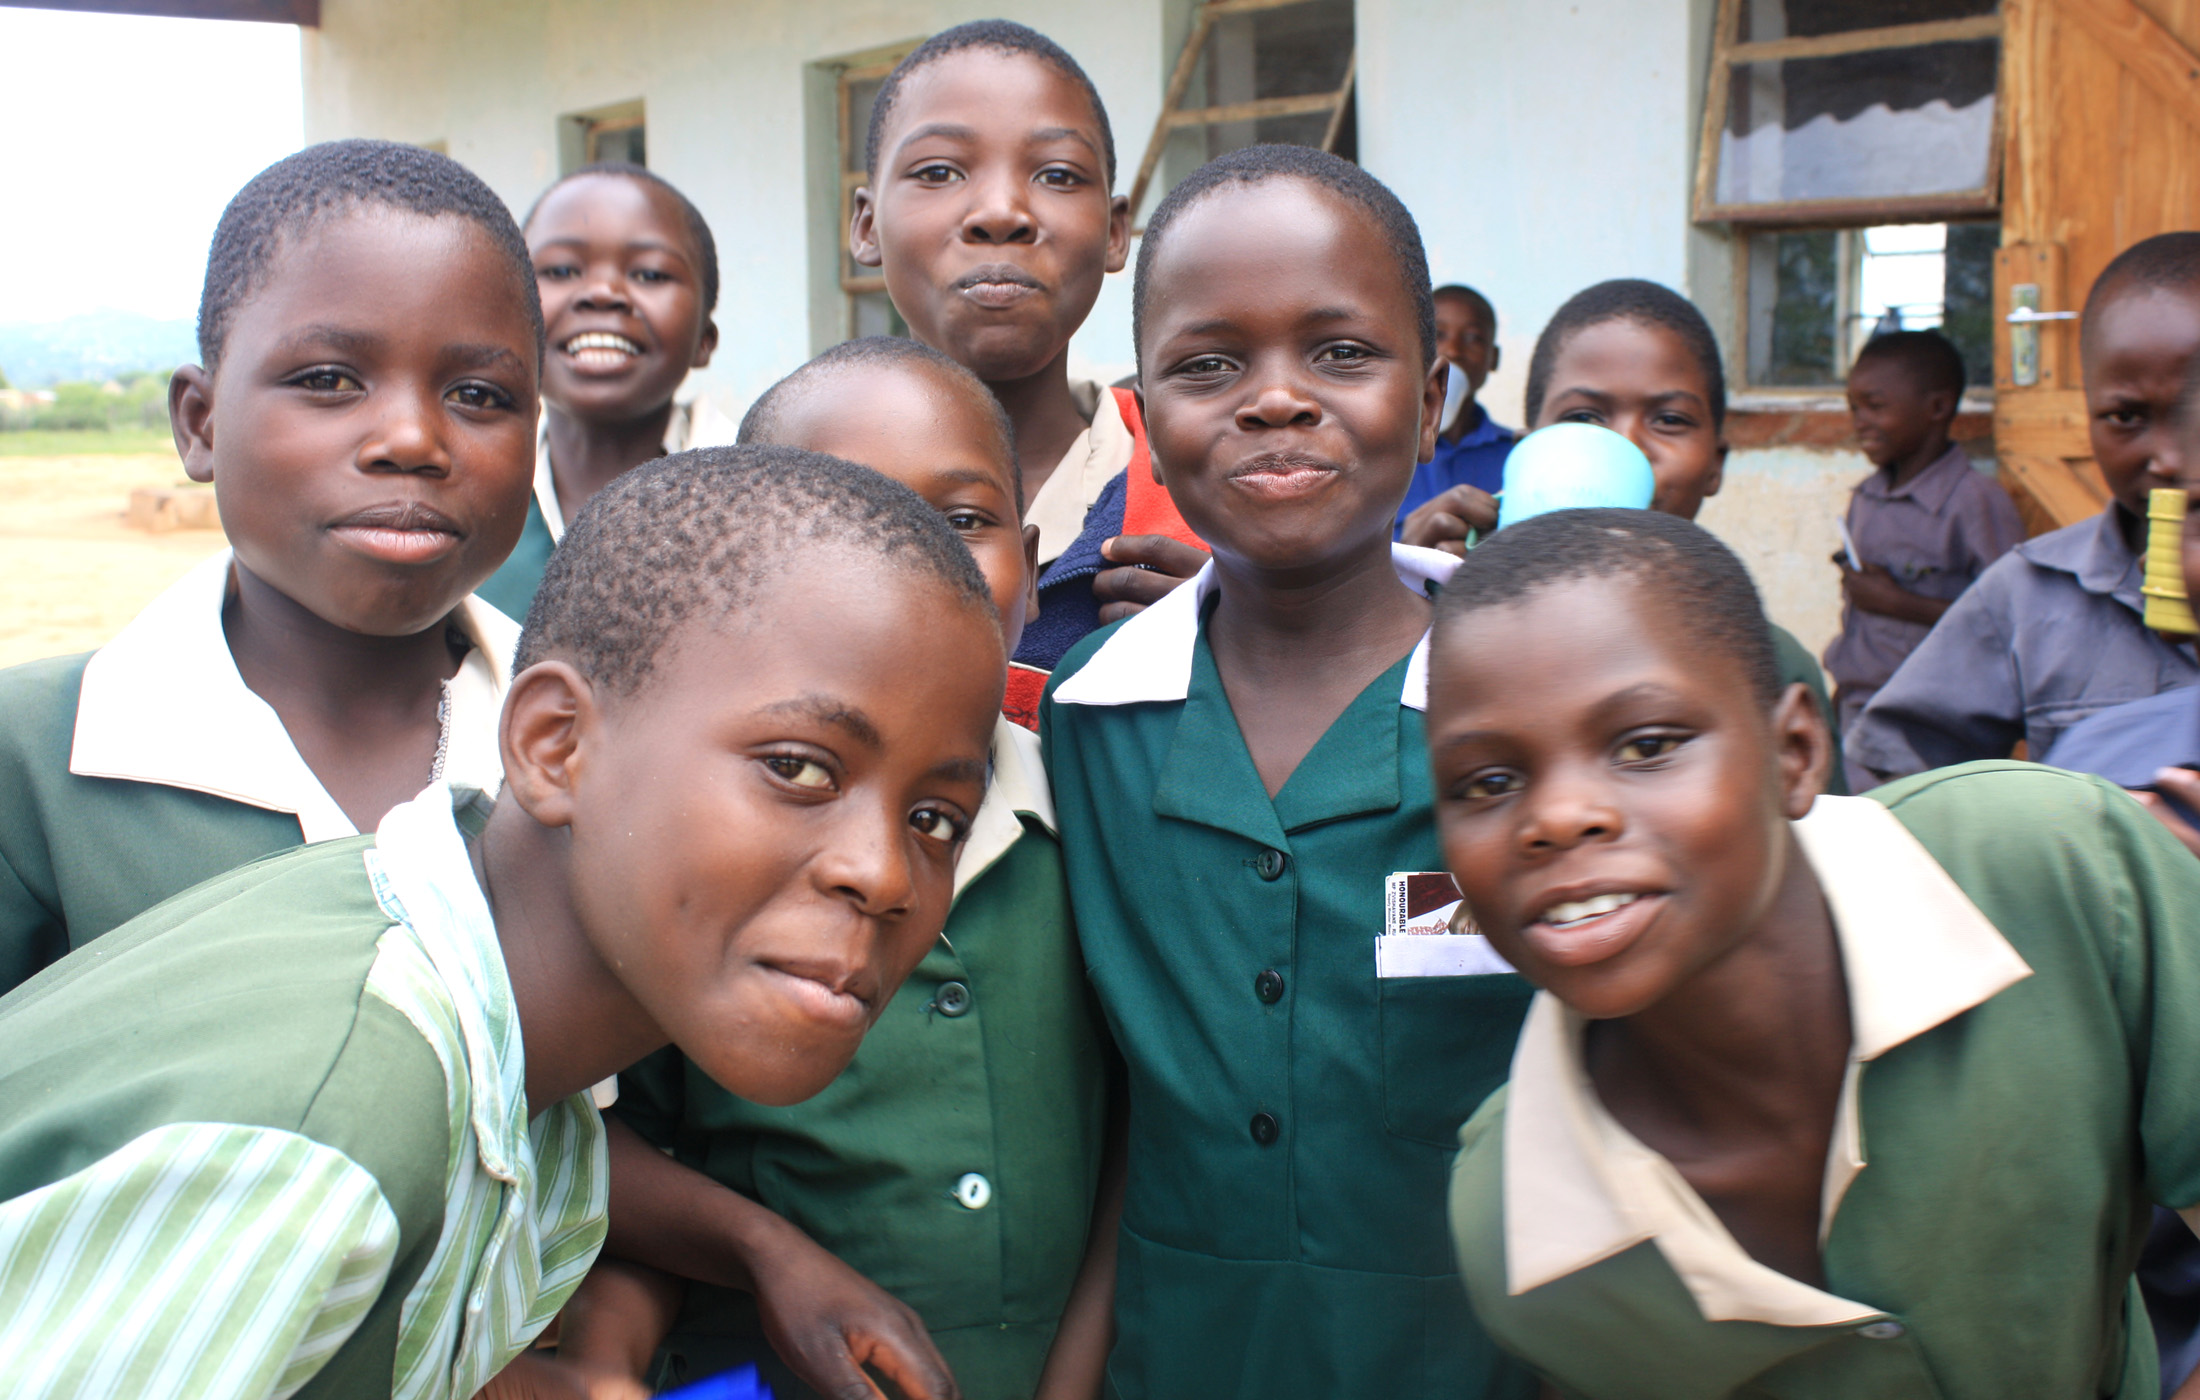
1252 71
1855 146
618 132
855 92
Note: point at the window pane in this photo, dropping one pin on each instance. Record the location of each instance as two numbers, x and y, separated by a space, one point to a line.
873 313
1876 125
862 96
1796 19
1969 317
1794 311
617 143
1304 130
1290 51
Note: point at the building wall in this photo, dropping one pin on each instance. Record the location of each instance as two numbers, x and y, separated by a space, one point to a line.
1542 147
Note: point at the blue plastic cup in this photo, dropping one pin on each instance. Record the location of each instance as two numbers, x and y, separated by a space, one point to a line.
1573 466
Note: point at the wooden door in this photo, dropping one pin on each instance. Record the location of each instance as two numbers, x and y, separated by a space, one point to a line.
2102 125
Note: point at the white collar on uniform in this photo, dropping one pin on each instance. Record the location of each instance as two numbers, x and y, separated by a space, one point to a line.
1094 458
1018 789
163 703
1150 657
1580 1188
696 423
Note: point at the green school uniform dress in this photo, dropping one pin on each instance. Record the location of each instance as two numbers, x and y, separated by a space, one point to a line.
1291 1111
954 1163
697 423
2022 950
131 773
272 1138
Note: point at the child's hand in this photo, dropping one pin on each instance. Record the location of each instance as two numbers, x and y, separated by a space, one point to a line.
1130 588
2184 785
538 1375
828 1322
1874 590
1442 521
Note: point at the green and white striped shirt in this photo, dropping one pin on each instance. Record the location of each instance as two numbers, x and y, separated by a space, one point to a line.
207 1256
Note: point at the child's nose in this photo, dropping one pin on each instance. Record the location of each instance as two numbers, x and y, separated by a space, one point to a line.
408 437
999 213
1279 403
868 862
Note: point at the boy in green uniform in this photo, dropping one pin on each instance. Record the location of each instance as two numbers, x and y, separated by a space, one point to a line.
370 338
928 1215
1242 785
340 1145
1821 1097
628 273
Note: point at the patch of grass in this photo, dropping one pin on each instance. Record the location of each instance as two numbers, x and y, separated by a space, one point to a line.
45 442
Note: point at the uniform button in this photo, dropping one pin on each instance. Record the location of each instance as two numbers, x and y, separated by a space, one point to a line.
1268 986
1884 1330
952 999
1265 1128
1269 864
973 1191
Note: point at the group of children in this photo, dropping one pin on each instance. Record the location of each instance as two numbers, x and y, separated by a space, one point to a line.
716 968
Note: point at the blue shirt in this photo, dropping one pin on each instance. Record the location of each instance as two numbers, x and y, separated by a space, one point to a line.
1476 459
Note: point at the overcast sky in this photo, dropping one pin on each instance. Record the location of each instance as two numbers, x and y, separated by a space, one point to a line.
130 134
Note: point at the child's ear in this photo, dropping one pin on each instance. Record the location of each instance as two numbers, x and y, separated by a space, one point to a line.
1943 406
1497 356
706 346
1717 479
191 420
863 229
1805 748
1119 232
549 714
1031 574
1432 406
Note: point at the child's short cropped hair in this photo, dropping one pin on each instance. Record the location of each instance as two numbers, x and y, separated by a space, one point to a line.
1695 578
1927 356
706 246
1257 165
1645 304
290 197
2167 260
1001 36
690 537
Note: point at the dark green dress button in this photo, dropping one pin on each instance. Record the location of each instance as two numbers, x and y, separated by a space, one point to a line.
1268 986
952 999
1265 1127
1269 864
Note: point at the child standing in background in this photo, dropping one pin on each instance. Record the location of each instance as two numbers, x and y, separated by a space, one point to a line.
989 209
1242 780
1924 525
2054 632
1471 448
370 341
628 272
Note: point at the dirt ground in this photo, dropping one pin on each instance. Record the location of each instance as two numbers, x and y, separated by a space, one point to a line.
71 572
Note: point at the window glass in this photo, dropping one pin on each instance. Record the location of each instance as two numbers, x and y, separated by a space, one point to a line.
1795 19
1816 295
1876 125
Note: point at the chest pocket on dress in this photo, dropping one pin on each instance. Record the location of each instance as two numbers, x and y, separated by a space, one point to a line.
1447 1043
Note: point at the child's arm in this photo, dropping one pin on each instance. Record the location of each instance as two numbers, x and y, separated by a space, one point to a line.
1874 591
826 1321
607 1333
1442 521
1077 1363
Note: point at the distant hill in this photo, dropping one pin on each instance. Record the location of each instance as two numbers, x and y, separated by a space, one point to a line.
95 345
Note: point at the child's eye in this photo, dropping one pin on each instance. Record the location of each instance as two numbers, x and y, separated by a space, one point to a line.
2126 417
939 824
967 521
326 381
1645 747
1059 178
800 772
937 173
1492 784
479 396
557 272
1679 422
1205 364
1582 415
651 274
1343 354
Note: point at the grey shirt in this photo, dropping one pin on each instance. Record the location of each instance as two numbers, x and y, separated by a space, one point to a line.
1935 533
2049 634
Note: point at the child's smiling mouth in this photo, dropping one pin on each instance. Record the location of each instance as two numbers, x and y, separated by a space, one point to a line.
1591 928
1282 477
820 995
601 350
